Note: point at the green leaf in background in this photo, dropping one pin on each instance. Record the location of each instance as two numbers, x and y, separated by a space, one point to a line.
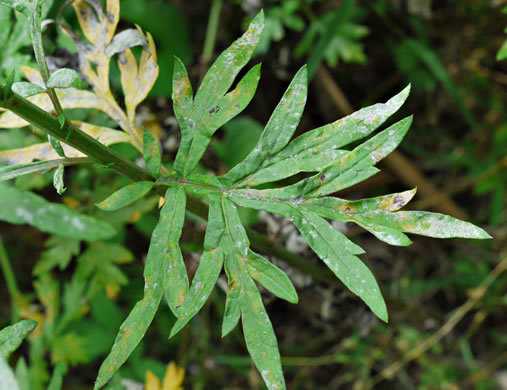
57 377
13 38
318 53
26 89
176 279
126 195
502 52
210 108
334 36
69 347
431 61
34 11
12 336
277 19
22 374
99 265
75 304
64 78
48 292
59 252
135 326
58 180
20 207
151 152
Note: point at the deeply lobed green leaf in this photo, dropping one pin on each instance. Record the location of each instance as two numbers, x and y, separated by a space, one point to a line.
135 326
208 270
243 295
313 150
277 133
200 117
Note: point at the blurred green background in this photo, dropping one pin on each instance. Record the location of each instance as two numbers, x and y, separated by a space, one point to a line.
447 314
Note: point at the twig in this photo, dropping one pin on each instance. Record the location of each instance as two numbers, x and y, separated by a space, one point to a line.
486 372
10 280
211 35
458 315
396 161
467 183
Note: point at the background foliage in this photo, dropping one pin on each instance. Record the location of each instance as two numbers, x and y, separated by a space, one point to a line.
445 327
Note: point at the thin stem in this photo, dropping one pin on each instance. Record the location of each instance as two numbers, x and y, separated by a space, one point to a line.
10 279
211 33
477 294
41 59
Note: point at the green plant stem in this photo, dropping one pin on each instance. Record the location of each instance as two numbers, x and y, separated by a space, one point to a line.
211 32
10 280
41 60
79 140
73 136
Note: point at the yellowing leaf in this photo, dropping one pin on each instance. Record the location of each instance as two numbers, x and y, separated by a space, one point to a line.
69 98
105 135
71 202
173 379
174 376
152 382
45 152
138 80
99 27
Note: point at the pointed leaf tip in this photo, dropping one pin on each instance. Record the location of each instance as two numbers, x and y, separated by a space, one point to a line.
407 89
12 336
126 195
